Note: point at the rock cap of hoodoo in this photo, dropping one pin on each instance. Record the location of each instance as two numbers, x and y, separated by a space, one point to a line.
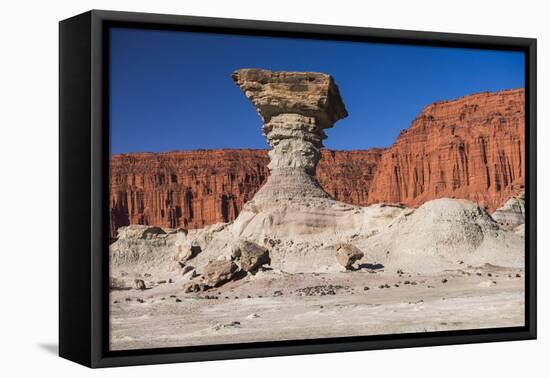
312 94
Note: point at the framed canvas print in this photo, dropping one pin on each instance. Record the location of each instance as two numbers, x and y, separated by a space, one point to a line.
233 188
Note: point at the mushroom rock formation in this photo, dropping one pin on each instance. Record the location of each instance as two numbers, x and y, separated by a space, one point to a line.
291 214
295 108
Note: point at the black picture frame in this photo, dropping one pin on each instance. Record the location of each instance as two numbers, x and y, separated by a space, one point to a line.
83 196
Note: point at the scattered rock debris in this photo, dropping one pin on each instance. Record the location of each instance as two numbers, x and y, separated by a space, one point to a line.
321 290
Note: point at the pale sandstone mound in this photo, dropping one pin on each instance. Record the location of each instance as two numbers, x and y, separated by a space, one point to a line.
304 237
445 233
303 240
141 249
441 234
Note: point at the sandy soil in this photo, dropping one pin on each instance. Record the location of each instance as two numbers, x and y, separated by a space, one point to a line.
277 306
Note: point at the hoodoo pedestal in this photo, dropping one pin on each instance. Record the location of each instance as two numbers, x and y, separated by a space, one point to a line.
295 108
298 220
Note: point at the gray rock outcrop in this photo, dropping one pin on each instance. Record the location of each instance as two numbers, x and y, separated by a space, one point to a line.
136 232
512 213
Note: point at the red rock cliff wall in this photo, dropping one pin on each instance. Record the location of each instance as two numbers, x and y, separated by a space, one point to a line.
188 189
193 189
472 148
347 175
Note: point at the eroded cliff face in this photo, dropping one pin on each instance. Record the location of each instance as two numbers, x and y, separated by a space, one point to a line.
193 189
471 148
188 189
347 175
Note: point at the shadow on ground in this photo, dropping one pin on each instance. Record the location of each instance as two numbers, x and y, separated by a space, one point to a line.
51 348
370 266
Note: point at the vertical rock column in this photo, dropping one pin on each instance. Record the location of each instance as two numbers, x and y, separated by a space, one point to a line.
295 108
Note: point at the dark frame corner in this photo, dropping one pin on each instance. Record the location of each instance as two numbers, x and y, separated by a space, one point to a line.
84 141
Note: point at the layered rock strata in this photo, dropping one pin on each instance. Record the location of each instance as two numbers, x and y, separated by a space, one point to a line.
471 148
190 189
512 213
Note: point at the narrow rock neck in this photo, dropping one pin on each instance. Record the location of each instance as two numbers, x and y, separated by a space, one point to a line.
296 142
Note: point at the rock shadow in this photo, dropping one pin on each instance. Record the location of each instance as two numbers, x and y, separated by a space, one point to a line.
370 266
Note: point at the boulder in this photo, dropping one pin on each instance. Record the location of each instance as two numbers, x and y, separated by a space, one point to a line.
117 283
194 287
252 255
347 255
187 250
218 272
235 252
190 274
186 268
139 284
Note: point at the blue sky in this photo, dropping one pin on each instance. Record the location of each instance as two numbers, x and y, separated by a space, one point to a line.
172 90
